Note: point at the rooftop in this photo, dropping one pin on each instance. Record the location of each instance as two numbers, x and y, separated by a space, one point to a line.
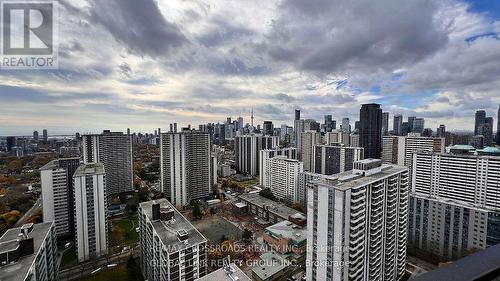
356 178
54 164
19 270
289 231
483 265
168 230
273 263
89 169
224 274
275 207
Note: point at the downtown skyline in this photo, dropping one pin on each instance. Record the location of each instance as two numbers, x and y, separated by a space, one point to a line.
193 63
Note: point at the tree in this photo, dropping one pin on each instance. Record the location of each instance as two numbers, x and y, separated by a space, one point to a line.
267 193
197 214
247 234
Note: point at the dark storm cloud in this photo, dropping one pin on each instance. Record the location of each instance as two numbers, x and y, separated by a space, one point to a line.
138 24
325 36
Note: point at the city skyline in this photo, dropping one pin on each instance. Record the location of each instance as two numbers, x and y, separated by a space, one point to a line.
193 63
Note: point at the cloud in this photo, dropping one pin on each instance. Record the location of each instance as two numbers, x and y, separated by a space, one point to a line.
138 24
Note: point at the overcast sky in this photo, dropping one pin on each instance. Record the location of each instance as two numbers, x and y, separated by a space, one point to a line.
145 64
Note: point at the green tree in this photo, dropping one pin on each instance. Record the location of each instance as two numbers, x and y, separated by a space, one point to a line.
267 193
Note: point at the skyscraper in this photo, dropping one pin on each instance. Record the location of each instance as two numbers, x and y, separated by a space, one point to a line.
11 142
411 123
385 123
57 193
498 126
91 220
114 150
346 127
268 128
480 119
357 223
35 136
308 140
185 166
441 131
297 114
397 124
45 135
247 149
418 125
330 124
370 132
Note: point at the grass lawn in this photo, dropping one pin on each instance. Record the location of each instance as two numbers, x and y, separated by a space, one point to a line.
69 257
123 231
128 271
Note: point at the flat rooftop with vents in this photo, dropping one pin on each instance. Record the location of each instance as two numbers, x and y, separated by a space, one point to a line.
18 249
171 226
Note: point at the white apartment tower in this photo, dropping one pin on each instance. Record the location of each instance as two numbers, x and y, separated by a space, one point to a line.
114 150
266 154
185 166
283 178
171 247
454 203
399 150
91 222
57 193
308 140
357 224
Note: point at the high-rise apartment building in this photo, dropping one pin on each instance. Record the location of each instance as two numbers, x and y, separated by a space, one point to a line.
357 224
266 154
308 140
247 151
57 193
399 150
35 136
298 128
45 135
397 124
114 151
29 253
91 220
185 166
307 180
171 247
454 206
449 229
385 123
333 159
283 178
370 131
464 178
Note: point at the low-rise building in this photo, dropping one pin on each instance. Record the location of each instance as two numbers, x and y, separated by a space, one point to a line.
229 272
286 237
267 210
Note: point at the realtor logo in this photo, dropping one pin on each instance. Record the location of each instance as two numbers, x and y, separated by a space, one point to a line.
28 35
